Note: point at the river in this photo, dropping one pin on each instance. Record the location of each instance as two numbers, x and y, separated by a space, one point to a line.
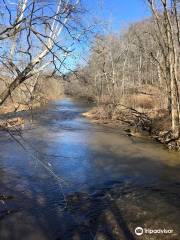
68 178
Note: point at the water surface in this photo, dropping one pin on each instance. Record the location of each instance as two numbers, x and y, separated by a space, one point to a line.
78 180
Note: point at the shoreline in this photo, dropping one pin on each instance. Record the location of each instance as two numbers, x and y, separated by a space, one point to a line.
158 135
125 121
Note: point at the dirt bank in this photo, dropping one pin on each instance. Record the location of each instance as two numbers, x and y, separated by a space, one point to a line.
136 124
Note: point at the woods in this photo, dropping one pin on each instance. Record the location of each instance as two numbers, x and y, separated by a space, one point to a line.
139 67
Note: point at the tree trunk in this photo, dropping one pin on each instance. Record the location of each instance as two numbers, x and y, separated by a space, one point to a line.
7 92
175 110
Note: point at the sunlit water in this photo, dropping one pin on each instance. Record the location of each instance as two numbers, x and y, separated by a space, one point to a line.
108 183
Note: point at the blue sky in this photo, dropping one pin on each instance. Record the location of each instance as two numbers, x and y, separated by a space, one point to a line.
119 12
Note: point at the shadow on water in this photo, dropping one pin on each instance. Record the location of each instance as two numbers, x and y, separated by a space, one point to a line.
103 210
95 219
113 184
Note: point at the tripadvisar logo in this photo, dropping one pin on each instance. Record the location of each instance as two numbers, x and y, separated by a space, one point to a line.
139 231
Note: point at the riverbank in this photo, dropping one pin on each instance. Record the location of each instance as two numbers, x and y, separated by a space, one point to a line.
134 123
15 119
15 116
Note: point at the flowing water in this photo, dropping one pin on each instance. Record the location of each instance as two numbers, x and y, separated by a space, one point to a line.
67 178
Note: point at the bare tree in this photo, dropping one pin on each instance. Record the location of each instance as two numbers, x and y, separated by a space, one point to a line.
167 35
41 34
139 66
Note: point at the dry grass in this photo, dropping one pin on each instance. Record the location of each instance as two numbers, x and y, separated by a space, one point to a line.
147 99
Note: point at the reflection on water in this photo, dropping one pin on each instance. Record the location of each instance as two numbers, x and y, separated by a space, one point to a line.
109 183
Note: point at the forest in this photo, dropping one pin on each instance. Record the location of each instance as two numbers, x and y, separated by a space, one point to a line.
137 70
